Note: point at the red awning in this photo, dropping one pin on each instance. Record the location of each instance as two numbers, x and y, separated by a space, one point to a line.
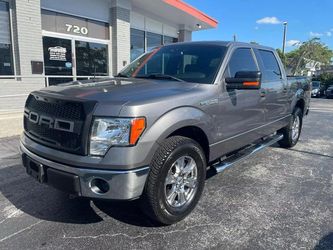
192 11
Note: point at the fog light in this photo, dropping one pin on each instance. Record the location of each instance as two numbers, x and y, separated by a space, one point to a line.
99 186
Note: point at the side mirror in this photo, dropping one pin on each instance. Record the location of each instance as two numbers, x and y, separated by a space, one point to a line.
244 80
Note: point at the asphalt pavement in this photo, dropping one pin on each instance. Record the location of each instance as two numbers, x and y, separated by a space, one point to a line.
279 199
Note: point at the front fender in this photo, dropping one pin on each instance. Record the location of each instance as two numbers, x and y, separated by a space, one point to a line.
176 119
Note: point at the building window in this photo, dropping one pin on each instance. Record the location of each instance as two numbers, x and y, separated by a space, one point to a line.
137 43
153 41
6 57
169 40
138 46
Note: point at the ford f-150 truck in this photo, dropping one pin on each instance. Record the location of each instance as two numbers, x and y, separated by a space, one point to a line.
154 130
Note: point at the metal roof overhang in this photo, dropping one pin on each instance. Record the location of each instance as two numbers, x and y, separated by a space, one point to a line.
177 12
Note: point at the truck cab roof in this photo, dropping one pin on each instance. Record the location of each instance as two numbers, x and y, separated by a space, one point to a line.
226 44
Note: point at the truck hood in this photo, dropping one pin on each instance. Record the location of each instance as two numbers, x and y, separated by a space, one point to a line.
119 90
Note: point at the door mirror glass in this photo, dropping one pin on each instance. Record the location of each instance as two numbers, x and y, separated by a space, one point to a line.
244 80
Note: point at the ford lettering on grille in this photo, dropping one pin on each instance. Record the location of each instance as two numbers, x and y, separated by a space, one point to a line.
52 123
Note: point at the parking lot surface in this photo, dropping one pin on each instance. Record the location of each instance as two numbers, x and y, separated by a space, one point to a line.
279 199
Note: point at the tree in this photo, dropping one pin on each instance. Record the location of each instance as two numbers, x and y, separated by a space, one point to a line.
279 51
312 50
326 79
281 55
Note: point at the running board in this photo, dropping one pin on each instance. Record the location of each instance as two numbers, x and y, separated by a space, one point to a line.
245 153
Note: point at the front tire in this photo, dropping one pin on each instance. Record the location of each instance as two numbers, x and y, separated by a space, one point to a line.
176 180
292 131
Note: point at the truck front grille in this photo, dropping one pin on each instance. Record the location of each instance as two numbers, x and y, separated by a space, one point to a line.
58 123
67 110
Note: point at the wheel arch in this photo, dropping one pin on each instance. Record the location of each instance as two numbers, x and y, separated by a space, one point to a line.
300 103
190 122
195 133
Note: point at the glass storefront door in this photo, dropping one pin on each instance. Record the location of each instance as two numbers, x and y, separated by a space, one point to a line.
74 58
91 59
58 59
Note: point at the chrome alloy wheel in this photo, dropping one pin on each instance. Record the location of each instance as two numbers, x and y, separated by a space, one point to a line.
180 184
295 128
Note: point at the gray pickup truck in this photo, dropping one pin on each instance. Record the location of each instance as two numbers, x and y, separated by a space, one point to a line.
154 130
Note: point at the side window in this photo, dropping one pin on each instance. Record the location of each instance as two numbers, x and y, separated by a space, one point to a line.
189 63
241 60
271 70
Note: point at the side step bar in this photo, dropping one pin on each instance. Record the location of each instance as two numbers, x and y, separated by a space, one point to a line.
245 153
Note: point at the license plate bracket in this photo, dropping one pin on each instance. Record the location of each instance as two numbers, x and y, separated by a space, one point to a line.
36 170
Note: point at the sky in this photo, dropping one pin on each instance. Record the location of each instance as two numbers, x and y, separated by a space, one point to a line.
262 21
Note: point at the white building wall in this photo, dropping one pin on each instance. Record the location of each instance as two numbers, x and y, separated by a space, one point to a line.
137 21
120 36
153 26
144 21
29 35
27 41
170 31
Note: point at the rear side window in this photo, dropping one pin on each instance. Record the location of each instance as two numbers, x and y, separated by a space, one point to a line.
271 70
241 60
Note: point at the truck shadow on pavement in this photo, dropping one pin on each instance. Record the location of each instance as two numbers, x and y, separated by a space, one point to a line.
46 203
304 151
325 243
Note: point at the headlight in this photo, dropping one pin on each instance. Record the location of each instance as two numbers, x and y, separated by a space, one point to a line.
107 132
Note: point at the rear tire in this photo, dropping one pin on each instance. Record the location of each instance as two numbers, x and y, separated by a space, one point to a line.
292 131
175 181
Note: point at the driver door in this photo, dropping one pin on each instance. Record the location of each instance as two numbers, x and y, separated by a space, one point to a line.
241 112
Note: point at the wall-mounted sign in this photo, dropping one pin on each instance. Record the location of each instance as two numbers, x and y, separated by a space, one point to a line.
57 53
37 67
63 23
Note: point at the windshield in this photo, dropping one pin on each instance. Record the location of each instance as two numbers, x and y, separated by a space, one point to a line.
315 85
183 62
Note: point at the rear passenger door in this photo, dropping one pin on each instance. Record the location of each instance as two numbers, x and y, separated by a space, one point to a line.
274 87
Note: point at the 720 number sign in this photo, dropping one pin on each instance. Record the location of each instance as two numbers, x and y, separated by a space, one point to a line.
77 29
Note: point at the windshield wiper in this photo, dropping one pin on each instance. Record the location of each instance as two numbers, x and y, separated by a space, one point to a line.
161 76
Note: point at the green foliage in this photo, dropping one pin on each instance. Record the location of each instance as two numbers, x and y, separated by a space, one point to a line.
313 49
326 79
281 55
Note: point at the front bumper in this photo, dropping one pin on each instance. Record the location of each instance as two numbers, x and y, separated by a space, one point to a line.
122 184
